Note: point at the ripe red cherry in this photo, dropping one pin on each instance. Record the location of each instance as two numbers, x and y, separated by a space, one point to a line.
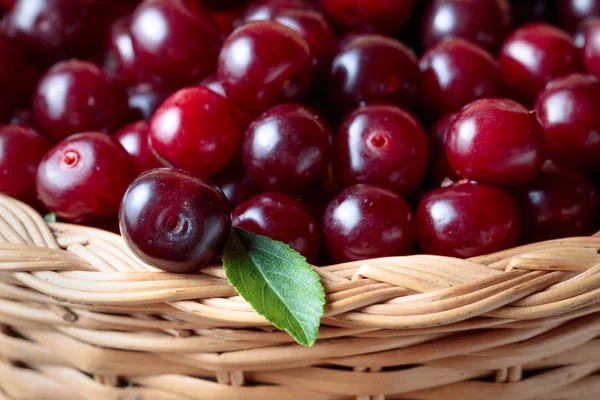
439 165
195 129
282 218
84 177
75 96
591 48
120 57
21 149
382 145
384 16
467 220
533 55
456 72
234 183
367 221
568 110
496 141
134 139
485 22
174 220
557 203
286 149
571 13
175 40
373 69
263 64
145 98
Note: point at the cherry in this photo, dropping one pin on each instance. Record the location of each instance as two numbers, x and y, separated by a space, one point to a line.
456 72
286 149
367 221
533 55
195 129
84 177
212 82
568 110
485 22
591 48
467 220
265 10
145 98
372 68
120 57
75 96
21 149
382 145
496 141
263 64
234 183
175 40
282 218
557 203
383 16
134 139
174 220
438 161
571 13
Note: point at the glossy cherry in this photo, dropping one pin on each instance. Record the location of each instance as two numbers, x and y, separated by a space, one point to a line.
557 203
467 220
382 145
21 149
234 183
571 13
195 129
134 139
382 16
456 72
174 220
84 177
367 221
591 48
145 98
439 165
568 110
282 218
496 141
286 149
75 96
533 55
120 57
175 40
485 22
263 64
373 68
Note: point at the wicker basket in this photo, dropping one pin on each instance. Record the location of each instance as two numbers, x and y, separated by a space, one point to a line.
81 318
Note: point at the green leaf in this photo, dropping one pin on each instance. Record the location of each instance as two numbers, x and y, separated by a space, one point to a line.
277 282
50 217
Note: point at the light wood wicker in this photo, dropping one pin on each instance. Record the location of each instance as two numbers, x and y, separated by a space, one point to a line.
81 318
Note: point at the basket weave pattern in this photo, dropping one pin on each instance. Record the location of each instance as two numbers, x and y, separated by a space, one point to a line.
81 318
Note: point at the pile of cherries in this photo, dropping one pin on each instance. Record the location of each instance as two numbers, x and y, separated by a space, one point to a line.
348 129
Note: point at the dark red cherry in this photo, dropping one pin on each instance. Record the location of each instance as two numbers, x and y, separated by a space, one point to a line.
382 145
286 149
591 48
21 149
467 220
282 218
496 141
175 40
145 98
263 64
533 55
568 110
367 221
195 129
174 220
557 203
382 16
373 69
84 177
571 13
120 58
134 139
75 96
525 11
265 10
234 183
439 165
485 22
212 82
456 72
